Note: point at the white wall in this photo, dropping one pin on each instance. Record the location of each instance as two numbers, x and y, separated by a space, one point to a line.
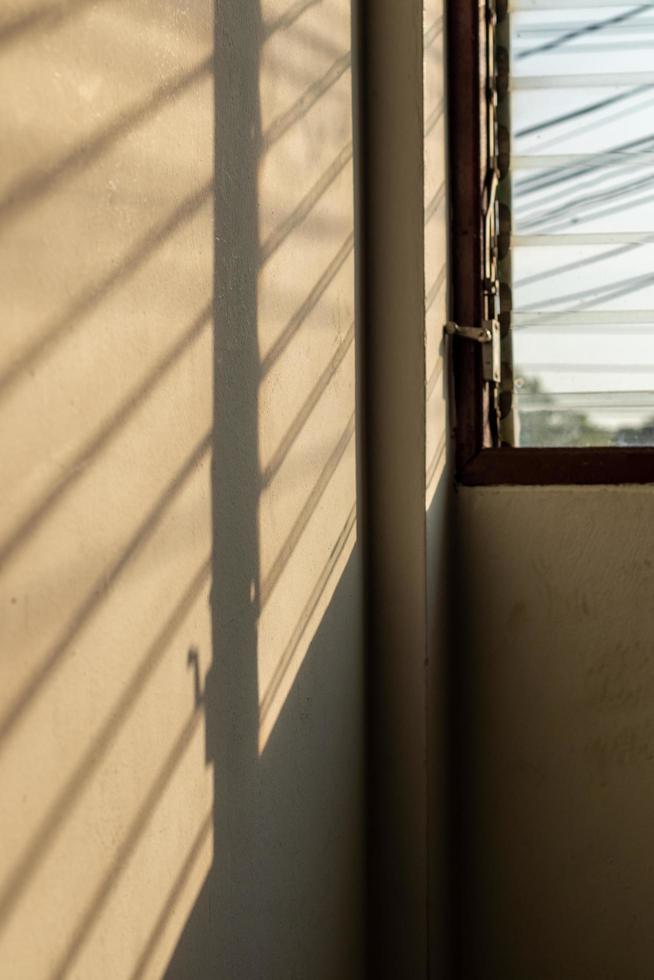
556 627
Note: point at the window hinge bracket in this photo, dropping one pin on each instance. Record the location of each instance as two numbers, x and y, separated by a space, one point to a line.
488 335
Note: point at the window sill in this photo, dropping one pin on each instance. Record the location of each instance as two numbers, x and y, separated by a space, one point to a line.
562 467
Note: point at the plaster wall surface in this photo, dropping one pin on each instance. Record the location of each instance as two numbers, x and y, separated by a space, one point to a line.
556 627
181 648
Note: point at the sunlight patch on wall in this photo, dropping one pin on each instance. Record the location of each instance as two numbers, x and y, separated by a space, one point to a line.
435 245
106 424
307 421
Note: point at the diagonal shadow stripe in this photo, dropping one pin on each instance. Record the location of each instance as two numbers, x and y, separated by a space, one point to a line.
308 509
432 33
42 17
55 816
316 41
29 189
306 614
15 28
308 305
307 100
435 289
89 300
172 898
433 118
433 205
99 590
306 205
128 844
287 19
103 437
435 461
433 379
307 408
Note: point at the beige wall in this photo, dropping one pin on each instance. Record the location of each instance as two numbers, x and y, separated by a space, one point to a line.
556 627
180 576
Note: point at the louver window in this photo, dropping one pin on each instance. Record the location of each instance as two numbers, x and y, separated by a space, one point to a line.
576 114
551 122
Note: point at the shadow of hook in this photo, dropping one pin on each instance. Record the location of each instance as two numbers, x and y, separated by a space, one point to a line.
193 662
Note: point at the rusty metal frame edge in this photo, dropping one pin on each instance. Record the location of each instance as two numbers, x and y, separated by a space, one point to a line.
464 150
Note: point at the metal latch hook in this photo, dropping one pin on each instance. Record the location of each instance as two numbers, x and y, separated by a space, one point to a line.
487 334
483 334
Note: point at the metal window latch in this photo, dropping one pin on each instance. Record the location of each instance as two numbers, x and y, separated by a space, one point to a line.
488 334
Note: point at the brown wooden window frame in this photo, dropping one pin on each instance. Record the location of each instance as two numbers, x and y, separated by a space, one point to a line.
476 464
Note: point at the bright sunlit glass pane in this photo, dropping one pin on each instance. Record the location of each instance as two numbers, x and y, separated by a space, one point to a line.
582 209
